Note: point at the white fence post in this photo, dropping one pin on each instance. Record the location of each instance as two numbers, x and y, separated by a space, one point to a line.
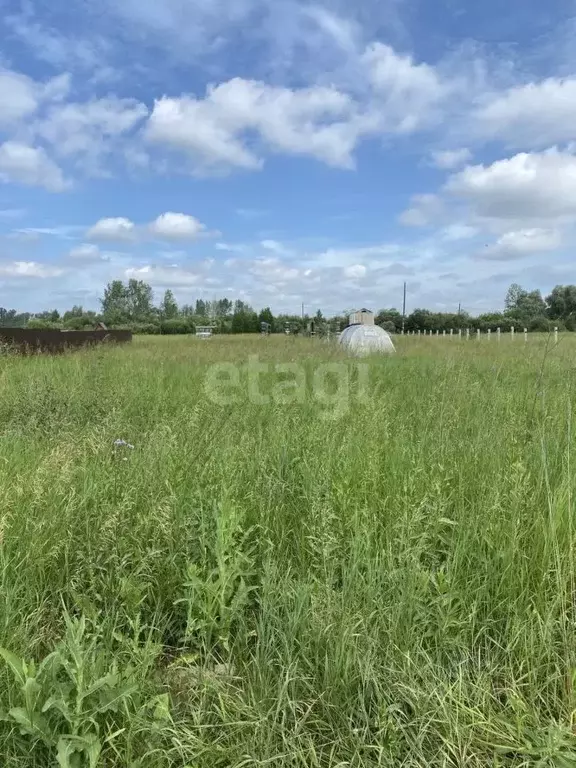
512 332
443 333
489 333
418 331
467 333
459 334
478 334
437 332
451 332
498 333
556 335
525 334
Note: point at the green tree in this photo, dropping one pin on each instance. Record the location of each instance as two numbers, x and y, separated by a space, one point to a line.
562 304
514 296
266 316
139 297
168 307
115 308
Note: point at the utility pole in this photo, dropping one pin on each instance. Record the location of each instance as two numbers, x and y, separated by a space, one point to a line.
404 309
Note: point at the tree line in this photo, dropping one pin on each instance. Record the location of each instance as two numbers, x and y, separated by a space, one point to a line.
131 305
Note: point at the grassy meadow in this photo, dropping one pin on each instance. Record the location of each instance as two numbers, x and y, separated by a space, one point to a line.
377 570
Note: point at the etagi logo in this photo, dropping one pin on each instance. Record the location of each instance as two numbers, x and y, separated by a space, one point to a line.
332 385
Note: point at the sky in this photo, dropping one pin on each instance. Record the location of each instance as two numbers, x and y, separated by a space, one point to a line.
281 151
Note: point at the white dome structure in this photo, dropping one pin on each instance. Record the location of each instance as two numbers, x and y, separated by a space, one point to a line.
363 339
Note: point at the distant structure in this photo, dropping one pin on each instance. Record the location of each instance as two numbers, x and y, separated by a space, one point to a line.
363 337
265 328
204 331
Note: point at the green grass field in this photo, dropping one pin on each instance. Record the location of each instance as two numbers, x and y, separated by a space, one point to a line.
378 573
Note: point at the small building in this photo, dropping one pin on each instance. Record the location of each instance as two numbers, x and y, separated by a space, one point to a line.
361 317
204 331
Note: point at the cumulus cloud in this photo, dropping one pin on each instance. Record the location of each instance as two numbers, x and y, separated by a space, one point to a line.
29 269
274 271
354 272
313 121
177 226
112 229
454 232
23 164
76 128
521 243
535 115
526 188
322 122
20 96
87 253
406 94
165 276
449 159
424 210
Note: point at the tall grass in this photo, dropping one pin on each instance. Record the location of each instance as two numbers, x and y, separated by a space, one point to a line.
259 585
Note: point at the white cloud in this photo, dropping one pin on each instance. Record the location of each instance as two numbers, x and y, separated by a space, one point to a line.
354 272
177 226
231 247
274 271
454 232
112 229
316 121
392 94
87 253
449 159
31 269
20 96
533 116
525 242
424 209
83 127
406 94
22 164
165 276
274 246
524 188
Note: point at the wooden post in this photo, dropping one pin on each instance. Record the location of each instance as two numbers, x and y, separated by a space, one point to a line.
525 334
556 335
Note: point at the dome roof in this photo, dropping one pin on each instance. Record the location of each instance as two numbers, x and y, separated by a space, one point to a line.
366 340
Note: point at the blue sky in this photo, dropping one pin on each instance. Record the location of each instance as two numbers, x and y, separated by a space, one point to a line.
285 152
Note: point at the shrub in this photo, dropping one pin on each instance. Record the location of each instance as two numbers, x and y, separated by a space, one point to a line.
542 324
176 325
145 328
39 323
388 325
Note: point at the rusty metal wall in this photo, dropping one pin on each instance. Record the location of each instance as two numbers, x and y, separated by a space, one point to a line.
27 340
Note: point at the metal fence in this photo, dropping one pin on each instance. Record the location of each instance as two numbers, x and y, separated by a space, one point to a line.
468 333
